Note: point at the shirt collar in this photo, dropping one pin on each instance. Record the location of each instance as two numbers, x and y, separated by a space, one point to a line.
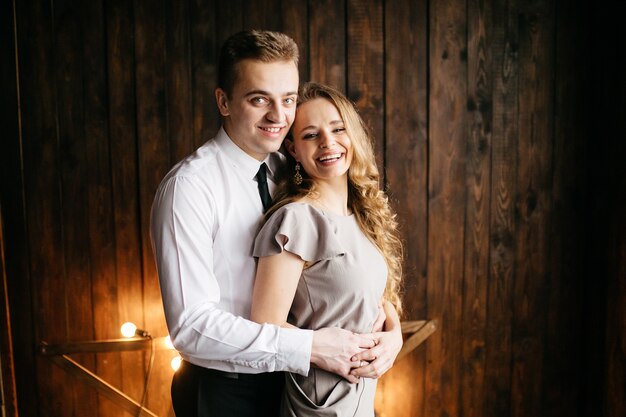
248 165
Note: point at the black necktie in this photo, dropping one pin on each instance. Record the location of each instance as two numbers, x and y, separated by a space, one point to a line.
264 192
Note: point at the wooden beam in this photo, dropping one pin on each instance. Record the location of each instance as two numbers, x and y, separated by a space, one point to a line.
92 380
421 329
107 345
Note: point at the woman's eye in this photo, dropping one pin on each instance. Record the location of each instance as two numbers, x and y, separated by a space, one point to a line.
309 136
339 130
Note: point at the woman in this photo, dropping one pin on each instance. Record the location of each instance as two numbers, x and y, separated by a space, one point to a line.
328 254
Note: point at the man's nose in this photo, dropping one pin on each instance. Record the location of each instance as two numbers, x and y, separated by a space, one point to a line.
275 113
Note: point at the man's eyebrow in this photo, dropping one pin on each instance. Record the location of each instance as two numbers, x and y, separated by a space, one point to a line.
267 93
255 92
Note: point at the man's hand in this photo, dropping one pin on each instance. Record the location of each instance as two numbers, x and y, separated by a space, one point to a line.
374 362
334 348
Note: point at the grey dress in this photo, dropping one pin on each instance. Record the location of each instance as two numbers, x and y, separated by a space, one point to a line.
341 286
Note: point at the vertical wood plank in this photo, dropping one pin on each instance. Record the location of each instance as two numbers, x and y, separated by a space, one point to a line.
294 17
98 182
600 90
262 14
502 260
154 162
479 121
533 202
327 47
74 171
18 364
8 394
616 287
365 70
401 391
204 55
563 354
446 211
229 20
122 129
42 198
179 81
609 88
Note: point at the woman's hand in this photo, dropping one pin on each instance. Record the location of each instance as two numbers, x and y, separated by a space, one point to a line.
374 362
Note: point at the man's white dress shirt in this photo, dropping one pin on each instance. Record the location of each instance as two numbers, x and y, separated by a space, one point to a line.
205 216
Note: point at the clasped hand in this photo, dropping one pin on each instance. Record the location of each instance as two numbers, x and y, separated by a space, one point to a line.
352 355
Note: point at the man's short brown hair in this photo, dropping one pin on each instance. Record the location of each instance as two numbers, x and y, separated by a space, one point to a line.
260 45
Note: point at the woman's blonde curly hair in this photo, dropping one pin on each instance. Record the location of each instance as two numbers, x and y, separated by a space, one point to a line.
366 200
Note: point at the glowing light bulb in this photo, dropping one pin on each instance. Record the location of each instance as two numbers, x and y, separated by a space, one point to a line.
128 329
168 343
175 363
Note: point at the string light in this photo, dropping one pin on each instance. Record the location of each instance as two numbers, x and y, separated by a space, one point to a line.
168 343
129 329
175 363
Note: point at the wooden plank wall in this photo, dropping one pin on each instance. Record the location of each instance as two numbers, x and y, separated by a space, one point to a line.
605 287
513 241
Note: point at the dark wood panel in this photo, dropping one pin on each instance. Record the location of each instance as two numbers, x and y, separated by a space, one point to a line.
446 205
101 225
610 88
7 375
478 198
74 172
18 364
204 55
262 14
616 288
120 55
154 161
533 204
401 392
229 20
602 90
294 18
43 198
327 34
563 353
498 336
179 81
365 69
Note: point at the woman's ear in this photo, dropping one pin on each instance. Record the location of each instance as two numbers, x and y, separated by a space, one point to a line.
291 148
222 102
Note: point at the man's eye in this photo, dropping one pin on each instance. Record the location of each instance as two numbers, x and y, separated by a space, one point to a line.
290 100
259 100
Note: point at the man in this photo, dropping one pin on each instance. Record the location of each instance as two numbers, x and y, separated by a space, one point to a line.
205 216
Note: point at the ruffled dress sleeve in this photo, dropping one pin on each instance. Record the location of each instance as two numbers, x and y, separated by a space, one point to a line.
300 229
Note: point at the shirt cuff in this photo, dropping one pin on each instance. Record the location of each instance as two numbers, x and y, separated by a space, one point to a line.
294 350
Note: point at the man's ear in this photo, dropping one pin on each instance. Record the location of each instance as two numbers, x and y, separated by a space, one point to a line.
222 102
291 148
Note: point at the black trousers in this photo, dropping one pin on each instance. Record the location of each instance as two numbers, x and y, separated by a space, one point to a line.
202 392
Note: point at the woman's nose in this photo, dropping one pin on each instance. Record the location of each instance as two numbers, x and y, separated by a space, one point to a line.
327 140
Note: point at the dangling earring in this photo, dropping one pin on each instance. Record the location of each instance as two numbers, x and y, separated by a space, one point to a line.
297 178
